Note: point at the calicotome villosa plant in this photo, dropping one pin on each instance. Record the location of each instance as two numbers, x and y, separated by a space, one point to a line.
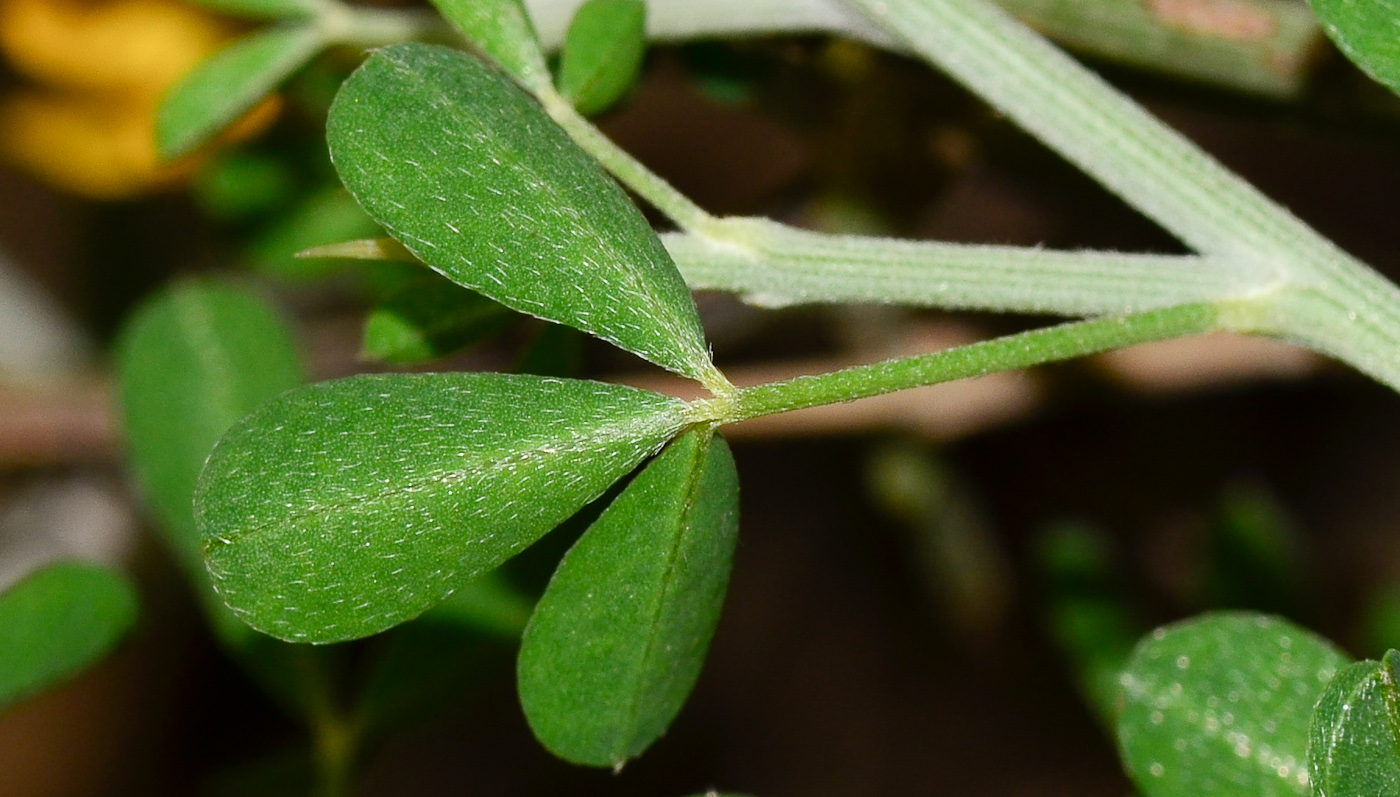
344 509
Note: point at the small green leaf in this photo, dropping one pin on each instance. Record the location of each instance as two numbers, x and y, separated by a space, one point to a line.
431 318
1366 31
1220 705
58 621
222 88
266 9
348 507
619 637
191 362
502 30
602 54
1354 741
467 171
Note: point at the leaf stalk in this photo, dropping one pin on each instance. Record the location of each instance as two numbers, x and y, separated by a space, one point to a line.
1036 347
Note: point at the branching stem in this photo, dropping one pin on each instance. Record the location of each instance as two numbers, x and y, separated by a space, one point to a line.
1311 292
1278 276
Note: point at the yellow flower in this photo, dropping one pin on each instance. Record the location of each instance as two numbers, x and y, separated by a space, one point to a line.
100 69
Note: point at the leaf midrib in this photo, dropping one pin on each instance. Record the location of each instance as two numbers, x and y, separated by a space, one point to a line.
605 434
692 489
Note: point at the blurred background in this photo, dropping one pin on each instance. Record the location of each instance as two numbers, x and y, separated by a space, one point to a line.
930 588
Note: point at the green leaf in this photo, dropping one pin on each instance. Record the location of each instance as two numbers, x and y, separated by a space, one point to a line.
58 621
502 30
431 318
602 54
265 9
619 637
1220 705
190 362
222 88
1366 31
347 507
467 171
1354 740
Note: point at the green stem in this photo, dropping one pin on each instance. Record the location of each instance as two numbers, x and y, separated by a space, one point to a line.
1036 347
624 167
775 264
771 264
